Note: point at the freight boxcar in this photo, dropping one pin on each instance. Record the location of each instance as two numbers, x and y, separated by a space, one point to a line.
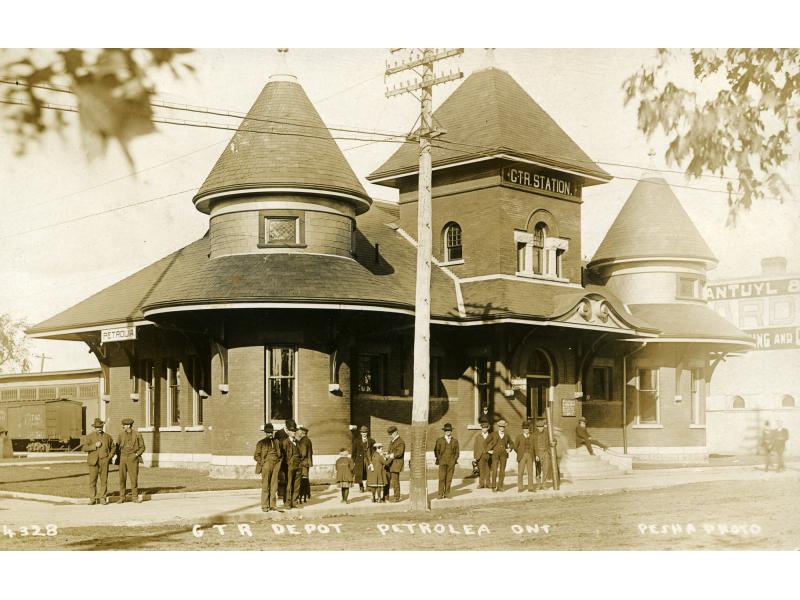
42 425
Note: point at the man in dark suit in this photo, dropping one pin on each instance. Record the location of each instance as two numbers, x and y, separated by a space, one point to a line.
306 462
396 456
291 457
480 453
584 438
100 447
525 455
446 451
541 447
779 438
268 457
130 447
362 455
499 446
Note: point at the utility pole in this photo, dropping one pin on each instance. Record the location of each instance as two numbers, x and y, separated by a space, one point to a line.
43 357
423 59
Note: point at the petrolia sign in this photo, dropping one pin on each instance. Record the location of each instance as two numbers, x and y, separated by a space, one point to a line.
542 180
117 334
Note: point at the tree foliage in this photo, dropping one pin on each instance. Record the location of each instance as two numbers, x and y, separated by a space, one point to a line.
739 123
110 88
13 344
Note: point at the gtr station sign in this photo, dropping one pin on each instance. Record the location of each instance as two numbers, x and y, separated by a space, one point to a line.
548 182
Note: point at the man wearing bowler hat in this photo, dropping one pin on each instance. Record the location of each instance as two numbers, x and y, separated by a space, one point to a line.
541 447
396 456
100 447
499 446
130 447
291 457
268 457
363 448
480 453
446 452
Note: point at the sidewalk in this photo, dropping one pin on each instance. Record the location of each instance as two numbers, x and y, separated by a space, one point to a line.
238 506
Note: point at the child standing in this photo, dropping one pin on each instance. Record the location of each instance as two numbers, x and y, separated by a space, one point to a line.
344 473
376 473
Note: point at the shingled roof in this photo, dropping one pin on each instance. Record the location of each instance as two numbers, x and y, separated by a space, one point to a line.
282 142
189 277
491 114
690 322
652 224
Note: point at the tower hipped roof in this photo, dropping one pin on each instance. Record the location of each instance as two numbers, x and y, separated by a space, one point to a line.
282 144
488 115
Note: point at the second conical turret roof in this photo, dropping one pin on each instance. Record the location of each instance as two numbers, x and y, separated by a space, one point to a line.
282 144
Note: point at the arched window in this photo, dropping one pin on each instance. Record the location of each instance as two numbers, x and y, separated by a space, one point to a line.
452 242
787 401
539 263
738 402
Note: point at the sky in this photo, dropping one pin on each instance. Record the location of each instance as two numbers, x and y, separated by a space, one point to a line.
54 251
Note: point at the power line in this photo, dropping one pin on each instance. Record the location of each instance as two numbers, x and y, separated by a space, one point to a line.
102 212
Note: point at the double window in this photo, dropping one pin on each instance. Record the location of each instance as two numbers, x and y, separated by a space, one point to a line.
198 377
538 254
481 378
371 373
173 377
281 383
697 396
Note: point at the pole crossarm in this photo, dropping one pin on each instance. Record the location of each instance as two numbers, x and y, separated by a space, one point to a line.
413 87
397 67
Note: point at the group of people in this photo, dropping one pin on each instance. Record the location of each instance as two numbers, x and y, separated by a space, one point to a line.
773 440
283 460
369 465
126 451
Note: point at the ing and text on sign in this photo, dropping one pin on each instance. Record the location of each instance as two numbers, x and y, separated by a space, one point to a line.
117 334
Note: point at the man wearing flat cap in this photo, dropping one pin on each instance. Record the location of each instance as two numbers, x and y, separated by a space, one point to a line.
499 446
446 451
541 446
130 447
306 450
291 457
584 438
268 457
395 456
100 447
524 447
363 446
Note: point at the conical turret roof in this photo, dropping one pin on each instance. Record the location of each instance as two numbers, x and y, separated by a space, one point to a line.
491 114
652 224
282 144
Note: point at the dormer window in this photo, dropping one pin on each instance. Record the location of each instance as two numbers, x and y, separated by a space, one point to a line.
452 243
539 255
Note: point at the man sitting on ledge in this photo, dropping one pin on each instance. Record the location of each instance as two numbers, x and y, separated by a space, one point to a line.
584 438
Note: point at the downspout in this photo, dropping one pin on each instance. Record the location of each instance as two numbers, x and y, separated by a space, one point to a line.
625 396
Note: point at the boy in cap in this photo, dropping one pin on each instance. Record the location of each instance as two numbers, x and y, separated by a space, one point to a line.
446 451
268 457
344 473
130 447
499 445
525 454
397 450
362 455
584 438
376 473
100 446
